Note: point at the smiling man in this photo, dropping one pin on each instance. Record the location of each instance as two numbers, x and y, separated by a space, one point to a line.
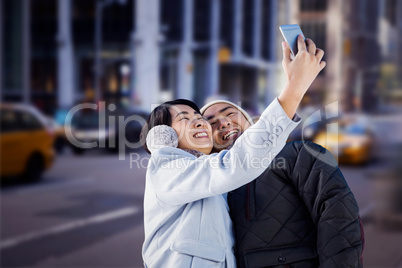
299 213
228 122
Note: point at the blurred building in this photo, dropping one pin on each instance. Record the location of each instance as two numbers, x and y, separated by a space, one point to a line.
390 39
348 31
48 51
59 52
220 48
362 55
314 20
141 52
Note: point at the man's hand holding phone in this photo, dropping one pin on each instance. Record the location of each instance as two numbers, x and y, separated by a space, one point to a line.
300 72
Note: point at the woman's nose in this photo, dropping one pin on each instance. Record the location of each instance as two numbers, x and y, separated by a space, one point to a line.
199 123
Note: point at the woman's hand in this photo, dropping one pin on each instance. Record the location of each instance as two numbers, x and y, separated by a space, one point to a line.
300 73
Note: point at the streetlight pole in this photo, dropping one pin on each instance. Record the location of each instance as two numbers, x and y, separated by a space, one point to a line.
1 52
98 42
26 52
65 55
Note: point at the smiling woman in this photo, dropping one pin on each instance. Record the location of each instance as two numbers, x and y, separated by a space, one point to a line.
193 131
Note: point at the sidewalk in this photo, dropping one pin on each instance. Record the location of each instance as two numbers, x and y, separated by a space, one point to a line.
383 248
382 222
382 219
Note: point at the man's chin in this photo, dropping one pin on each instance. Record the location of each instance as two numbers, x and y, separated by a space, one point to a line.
226 146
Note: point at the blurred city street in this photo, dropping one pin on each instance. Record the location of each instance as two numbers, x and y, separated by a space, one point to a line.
78 79
87 211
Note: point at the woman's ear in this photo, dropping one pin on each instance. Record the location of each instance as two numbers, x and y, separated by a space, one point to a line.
161 136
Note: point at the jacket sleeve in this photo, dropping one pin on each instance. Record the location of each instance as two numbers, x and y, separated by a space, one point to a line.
178 177
333 208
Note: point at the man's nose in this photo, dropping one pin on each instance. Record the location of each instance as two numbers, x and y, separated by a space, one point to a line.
223 123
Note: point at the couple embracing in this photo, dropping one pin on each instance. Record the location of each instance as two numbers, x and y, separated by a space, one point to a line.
204 209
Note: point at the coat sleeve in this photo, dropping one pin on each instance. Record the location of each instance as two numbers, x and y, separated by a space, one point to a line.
179 178
315 174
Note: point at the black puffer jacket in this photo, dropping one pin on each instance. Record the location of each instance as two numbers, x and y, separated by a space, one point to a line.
299 213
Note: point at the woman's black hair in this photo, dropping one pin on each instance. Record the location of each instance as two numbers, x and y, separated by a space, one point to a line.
161 116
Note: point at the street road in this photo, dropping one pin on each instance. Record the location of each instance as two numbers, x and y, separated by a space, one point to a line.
87 212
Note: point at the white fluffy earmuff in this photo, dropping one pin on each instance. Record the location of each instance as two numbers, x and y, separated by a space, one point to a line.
161 136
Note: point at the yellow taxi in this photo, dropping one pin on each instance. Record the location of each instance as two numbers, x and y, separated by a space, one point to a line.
352 142
26 142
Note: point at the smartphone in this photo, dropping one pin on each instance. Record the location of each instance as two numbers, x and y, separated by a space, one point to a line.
290 32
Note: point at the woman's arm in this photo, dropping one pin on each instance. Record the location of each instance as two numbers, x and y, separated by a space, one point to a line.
178 177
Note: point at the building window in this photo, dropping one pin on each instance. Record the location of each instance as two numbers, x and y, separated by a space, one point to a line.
248 27
86 79
83 25
168 74
44 26
390 11
44 76
44 49
202 20
266 51
313 5
317 32
117 24
226 23
172 20
12 46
